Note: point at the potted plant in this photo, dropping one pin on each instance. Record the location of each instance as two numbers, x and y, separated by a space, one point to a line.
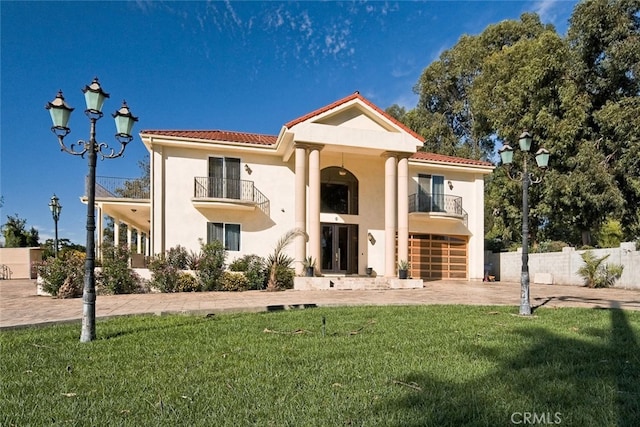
309 266
403 269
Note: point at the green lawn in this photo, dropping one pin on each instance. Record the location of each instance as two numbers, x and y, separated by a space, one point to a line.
373 366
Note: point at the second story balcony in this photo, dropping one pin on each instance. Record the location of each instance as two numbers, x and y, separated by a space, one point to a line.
108 187
218 192
437 205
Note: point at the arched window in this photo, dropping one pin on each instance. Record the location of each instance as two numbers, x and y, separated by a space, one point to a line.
338 191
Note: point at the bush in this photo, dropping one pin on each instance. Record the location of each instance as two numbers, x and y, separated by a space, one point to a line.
187 283
178 257
211 265
284 277
596 274
116 277
233 281
551 246
164 276
610 234
67 270
253 268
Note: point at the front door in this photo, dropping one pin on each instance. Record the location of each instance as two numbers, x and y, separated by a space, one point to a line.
339 248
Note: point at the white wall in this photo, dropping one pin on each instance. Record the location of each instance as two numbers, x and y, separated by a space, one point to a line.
562 267
185 223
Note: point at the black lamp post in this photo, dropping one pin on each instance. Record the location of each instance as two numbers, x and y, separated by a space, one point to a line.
55 207
527 178
60 113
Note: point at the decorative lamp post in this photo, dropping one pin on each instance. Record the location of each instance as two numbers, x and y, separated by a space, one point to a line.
55 207
60 113
527 178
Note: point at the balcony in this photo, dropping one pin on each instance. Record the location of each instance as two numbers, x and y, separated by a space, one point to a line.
223 192
121 188
437 205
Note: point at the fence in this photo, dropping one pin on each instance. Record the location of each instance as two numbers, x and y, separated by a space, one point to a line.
561 268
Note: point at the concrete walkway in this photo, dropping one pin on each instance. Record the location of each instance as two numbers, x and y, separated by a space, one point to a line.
20 306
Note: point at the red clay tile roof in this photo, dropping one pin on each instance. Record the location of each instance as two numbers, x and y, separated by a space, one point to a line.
261 139
217 135
433 157
346 99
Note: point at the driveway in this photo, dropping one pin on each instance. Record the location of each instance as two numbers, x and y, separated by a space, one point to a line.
20 306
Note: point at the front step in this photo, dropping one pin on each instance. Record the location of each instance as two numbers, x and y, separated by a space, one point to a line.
354 283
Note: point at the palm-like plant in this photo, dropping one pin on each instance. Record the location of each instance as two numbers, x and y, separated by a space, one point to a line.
278 259
596 274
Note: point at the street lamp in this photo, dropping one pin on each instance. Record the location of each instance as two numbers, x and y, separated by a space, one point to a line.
527 178
55 207
60 113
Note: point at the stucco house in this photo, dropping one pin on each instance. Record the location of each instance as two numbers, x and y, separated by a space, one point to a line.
348 174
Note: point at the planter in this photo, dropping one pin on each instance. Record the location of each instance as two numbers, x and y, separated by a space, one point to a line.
402 274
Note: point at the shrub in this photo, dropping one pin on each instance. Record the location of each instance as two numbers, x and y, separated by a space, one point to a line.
187 283
164 276
284 277
596 274
67 270
278 263
253 268
116 277
178 257
193 260
211 265
551 246
610 234
233 281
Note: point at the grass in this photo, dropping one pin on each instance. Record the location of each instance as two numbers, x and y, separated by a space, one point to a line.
374 366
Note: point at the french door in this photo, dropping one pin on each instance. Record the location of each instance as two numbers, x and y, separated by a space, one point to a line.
224 178
339 248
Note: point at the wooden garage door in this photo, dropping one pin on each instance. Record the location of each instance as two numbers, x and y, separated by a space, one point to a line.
435 257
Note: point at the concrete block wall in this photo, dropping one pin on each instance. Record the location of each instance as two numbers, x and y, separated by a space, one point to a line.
561 268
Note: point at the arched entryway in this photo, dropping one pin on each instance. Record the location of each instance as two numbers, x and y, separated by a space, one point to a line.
339 241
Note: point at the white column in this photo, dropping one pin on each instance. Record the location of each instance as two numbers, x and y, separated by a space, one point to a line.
314 203
403 209
390 187
116 232
129 235
300 205
139 241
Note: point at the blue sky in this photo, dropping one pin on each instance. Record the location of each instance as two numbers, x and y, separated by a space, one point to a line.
244 66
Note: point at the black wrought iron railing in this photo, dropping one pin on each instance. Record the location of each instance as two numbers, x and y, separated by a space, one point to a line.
444 203
231 189
121 188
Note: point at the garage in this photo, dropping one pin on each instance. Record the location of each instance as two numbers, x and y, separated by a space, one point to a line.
435 257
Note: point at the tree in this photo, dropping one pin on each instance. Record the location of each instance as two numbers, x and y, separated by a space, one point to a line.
578 95
605 39
446 115
16 235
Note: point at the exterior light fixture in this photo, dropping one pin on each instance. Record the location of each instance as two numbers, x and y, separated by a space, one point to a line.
56 208
342 171
527 178
60 114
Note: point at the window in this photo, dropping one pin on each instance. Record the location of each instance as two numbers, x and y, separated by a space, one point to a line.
338 191
430 193
224 177
228 234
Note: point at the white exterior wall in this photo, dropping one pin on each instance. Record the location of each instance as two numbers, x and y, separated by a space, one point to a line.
468 186
276 181
258 233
